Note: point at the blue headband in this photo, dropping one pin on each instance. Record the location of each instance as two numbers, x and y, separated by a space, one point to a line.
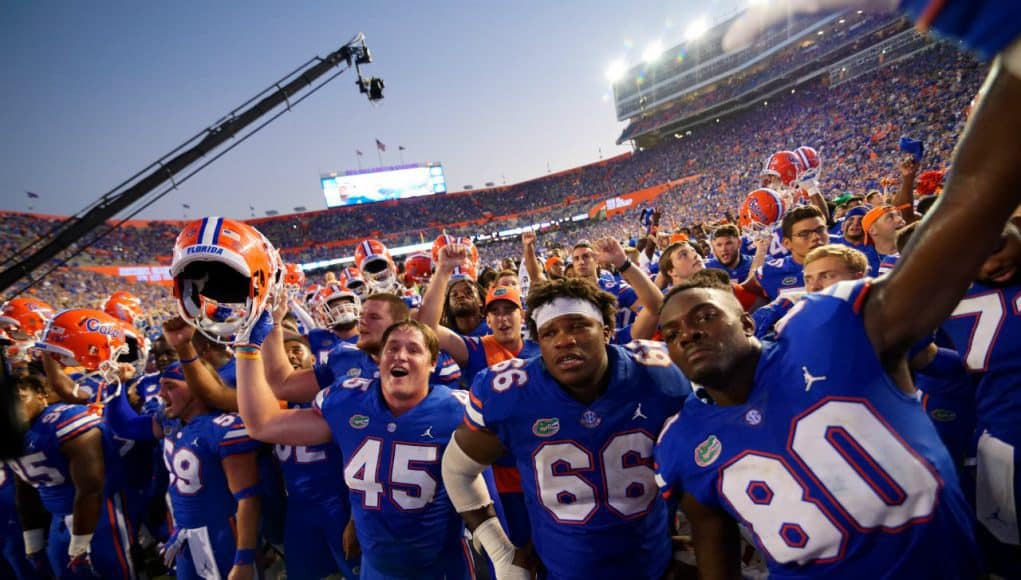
173 371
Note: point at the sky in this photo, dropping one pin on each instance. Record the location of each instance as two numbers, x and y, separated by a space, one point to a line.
504 92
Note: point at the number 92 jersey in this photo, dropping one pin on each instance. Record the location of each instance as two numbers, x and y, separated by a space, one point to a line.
586 470
834 469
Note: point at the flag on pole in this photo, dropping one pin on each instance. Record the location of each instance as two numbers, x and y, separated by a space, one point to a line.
380 145
359 153
32 195
185 206
401 148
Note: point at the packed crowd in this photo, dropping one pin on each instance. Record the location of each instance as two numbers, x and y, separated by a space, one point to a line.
734 380
778 69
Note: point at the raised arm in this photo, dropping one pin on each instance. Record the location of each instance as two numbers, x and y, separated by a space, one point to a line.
905 198
62 385
529 257
983 189
261 411
431 310
650 297
205 384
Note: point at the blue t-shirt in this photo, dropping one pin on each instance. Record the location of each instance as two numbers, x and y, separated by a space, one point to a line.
586 470
405 523
836 472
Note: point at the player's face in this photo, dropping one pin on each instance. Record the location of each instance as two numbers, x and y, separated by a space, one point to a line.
852 228
806 235
584 261
726 249
298 354
30 403
556 269
822 273
574 350
706 333
177 397
163 353
504 318
375 319
463 298
685 262
404 365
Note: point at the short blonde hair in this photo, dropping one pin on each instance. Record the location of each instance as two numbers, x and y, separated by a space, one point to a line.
855 261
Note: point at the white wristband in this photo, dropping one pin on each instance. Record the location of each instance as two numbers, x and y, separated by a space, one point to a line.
35 540
79 544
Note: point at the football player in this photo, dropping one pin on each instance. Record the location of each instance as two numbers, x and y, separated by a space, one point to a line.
580 422
824 453
392 432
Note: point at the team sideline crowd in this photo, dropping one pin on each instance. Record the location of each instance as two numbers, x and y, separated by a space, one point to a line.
800 384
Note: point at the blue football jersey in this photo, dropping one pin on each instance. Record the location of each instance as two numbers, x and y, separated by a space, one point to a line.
739 273
986 329
42 465
781 277
484 351
625 295
307 468
586 470
322 341
193 453
406 524
343 363
229 373
148 386
836 472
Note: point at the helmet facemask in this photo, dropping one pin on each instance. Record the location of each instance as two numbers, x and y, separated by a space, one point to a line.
218 300
379 274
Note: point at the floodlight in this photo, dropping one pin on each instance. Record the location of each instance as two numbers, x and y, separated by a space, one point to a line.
616 70
653 52
697 28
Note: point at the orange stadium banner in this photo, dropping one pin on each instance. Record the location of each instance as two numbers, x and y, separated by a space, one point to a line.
622 203
151 274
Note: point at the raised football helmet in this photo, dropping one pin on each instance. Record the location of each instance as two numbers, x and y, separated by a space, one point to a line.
88 338
440 241
138 347
782 170
810 162
351 278
335 304
310 294
294 279
761 208
125 306
418 268
22 321
377 267
225 273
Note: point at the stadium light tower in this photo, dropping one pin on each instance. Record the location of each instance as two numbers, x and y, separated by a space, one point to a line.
616 70
653 52
696 29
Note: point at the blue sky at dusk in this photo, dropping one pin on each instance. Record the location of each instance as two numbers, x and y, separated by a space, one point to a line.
95 91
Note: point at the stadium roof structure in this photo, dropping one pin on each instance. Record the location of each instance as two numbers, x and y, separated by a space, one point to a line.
696 81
